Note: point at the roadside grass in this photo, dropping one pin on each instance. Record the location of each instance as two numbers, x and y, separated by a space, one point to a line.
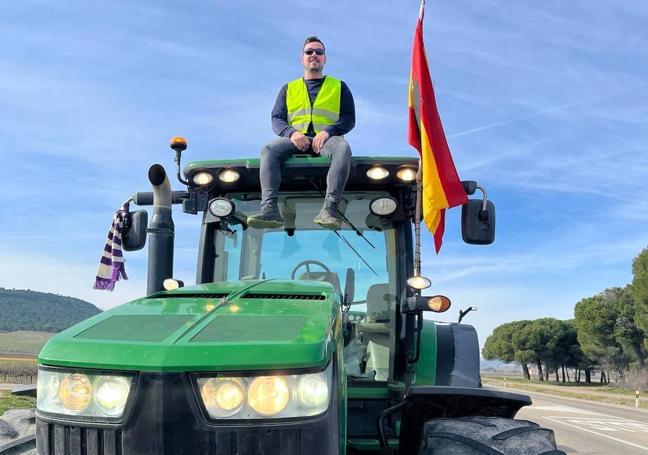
593 392
8 401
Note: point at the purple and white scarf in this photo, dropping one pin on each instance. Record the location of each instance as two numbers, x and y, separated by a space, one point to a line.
111 265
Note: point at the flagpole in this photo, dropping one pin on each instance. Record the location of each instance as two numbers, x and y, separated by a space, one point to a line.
419 196
417 220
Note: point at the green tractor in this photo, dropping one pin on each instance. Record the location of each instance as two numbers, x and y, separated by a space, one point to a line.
296 340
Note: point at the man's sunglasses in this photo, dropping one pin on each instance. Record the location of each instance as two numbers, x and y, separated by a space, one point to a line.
314 51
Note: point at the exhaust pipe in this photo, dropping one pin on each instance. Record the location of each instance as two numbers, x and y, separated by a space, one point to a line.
160 231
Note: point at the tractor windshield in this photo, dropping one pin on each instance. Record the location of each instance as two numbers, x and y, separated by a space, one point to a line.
361 266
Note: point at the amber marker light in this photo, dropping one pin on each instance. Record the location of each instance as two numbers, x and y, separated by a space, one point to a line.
234 308
178 143
439 303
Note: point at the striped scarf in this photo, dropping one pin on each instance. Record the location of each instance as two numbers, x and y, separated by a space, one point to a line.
112 260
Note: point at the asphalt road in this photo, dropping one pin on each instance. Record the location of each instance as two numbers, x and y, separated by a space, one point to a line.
586 427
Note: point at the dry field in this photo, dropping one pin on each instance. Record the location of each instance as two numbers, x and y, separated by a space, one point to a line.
27 342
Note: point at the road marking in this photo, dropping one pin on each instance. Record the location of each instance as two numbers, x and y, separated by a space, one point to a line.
563 408
557 420
607 424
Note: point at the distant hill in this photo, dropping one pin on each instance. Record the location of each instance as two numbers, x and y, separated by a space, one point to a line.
497 366
41 311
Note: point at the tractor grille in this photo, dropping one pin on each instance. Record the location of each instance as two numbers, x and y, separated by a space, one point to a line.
195 295
56 439
265 295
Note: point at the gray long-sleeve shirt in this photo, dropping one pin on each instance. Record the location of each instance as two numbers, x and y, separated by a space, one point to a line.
345 122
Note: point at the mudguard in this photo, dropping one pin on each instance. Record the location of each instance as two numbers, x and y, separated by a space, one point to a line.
457 356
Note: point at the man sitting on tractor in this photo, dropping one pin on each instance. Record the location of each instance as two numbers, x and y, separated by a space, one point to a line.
311 115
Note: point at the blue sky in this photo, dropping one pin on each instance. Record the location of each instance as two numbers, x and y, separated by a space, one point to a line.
544 103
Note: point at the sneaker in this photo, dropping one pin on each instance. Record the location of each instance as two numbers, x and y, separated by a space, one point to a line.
268 218
329 217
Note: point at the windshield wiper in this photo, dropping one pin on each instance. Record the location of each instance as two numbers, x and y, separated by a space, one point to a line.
347 243
357 231
346 220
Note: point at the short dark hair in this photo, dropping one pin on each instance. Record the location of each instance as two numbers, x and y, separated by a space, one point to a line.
313 39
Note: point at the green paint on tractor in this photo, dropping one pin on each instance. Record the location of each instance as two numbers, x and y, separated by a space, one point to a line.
182 330
293 340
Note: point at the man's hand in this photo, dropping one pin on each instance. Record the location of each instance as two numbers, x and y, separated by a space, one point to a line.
318 141
300 141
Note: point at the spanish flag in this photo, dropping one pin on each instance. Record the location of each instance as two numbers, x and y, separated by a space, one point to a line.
442 188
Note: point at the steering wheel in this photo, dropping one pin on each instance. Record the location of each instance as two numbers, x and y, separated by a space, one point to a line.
307 263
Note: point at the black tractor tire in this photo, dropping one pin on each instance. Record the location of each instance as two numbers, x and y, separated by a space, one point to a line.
18 432
486 436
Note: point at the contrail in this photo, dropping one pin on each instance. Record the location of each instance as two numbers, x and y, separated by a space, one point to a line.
546 111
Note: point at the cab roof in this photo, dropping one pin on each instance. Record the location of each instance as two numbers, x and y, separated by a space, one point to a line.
303 172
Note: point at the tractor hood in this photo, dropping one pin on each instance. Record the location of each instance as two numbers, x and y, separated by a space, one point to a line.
238 326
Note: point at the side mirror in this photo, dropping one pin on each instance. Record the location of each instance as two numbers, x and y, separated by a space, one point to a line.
134 235
478 222
463 313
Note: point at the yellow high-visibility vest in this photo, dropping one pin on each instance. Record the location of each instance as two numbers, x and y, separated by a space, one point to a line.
324 111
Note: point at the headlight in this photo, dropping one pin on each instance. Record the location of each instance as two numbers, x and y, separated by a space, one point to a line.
228 176
313 391
221 207
269 395
377 173
111 393
75 392
406 173
419 282
203 178
83 395
383 206
263 397
171 283
223 397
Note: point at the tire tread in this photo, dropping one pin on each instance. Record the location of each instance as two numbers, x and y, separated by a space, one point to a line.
480 435
515 432
480 447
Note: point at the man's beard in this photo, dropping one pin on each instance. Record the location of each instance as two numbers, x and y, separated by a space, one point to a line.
314 67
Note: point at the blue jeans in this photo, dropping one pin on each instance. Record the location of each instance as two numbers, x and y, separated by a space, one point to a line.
276 152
